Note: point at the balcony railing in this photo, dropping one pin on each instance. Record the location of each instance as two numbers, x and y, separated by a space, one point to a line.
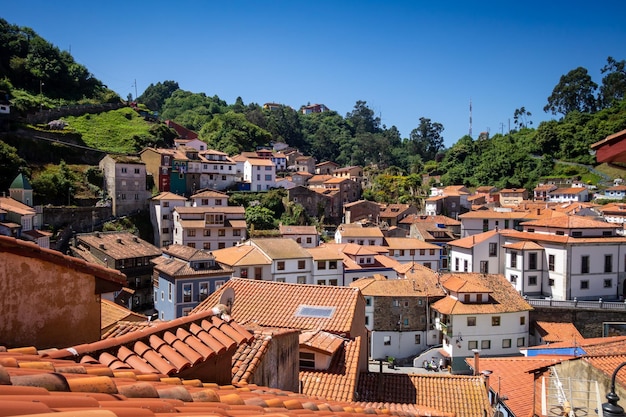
590 304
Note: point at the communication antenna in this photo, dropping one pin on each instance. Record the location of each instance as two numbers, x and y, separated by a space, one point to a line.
470 119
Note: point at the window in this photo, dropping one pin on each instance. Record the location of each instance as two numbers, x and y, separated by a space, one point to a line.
218 202
550 282
166 216
204 202
550 262
387 340
218 284
236 232
191 232
204 291
124 170
495 321
367 320
166 204
513 259
186 293
321 282
472 344
321 264
532 261
532 280
422 252
301 264
169 291
136 170
221 245
465 265
280 265
332 282
584 284
466 298
577 234
243 272
373 242
485 225
456 264
301 280
492 249
206 245
471 321
165 230
307 360
484 267
268 177
431 252
513 279
162 295
608 283
191 244
309 240
521 341
406 303
584 264
485 344
368 301
186 311
206 232
608 263
332 264
221 232
427 265
506 343
418 339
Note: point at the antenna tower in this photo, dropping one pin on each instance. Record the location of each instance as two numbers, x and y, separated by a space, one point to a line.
470 120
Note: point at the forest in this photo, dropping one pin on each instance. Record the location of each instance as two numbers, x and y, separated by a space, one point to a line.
587 112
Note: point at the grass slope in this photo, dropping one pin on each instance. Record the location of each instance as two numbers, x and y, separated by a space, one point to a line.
116 131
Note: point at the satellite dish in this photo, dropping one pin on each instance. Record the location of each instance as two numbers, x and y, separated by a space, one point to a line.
228 297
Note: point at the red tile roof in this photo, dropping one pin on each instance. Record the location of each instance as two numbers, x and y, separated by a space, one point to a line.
463 396
279 304
513 378
552 332
167 347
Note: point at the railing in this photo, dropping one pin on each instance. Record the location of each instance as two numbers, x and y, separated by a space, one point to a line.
590 304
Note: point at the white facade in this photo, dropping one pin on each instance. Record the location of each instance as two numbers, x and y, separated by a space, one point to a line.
260 173
161 215
209 228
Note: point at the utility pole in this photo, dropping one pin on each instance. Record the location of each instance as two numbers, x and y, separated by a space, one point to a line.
40 95
135 89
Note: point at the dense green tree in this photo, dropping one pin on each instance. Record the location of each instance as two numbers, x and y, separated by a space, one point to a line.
155 95
521 118
192 110
232 133
284 125
362 119
426 140
613 86
10 165
260 218
574 92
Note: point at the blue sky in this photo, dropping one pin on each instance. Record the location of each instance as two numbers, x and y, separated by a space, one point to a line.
406 59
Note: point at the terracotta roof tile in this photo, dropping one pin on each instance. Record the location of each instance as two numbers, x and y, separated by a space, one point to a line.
421 283
166 347
473 240
461 395
558 332
503 297
112 313
253 298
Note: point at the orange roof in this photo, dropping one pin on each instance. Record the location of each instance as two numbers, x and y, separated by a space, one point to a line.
607 365
31 384
321 341
241 255
460 395
438 219
166 195
421 283
558 332
570 222
503 297
111 313
339 381
296 306
524 246
471 241
461 284
167 347
513 379
409 243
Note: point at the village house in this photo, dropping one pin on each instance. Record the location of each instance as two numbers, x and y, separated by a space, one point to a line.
126 253
565 258
60 296
327 265
616 192
397 313
313 108
513 196
162 218
480 221
259 173
480 311
407 249
393 214
361 210
451 201
17 216
542 192
305 164
305 236
125 183
183 277
360 234
326 167
569 195
209 227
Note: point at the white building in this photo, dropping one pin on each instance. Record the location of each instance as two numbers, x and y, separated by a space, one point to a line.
480 311
162 218
359 234
209 228
327 265
407 249
260 173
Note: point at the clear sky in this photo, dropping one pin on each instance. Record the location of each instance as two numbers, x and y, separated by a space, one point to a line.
406 59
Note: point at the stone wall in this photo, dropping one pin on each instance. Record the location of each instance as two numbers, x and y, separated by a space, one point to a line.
587 321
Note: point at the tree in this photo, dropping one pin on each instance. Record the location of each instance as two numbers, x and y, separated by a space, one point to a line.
520 118
155 95
574 92
10 164
260 218
613 86
362 119
426 139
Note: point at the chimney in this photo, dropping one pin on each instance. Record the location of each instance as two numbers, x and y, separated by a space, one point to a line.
476 361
